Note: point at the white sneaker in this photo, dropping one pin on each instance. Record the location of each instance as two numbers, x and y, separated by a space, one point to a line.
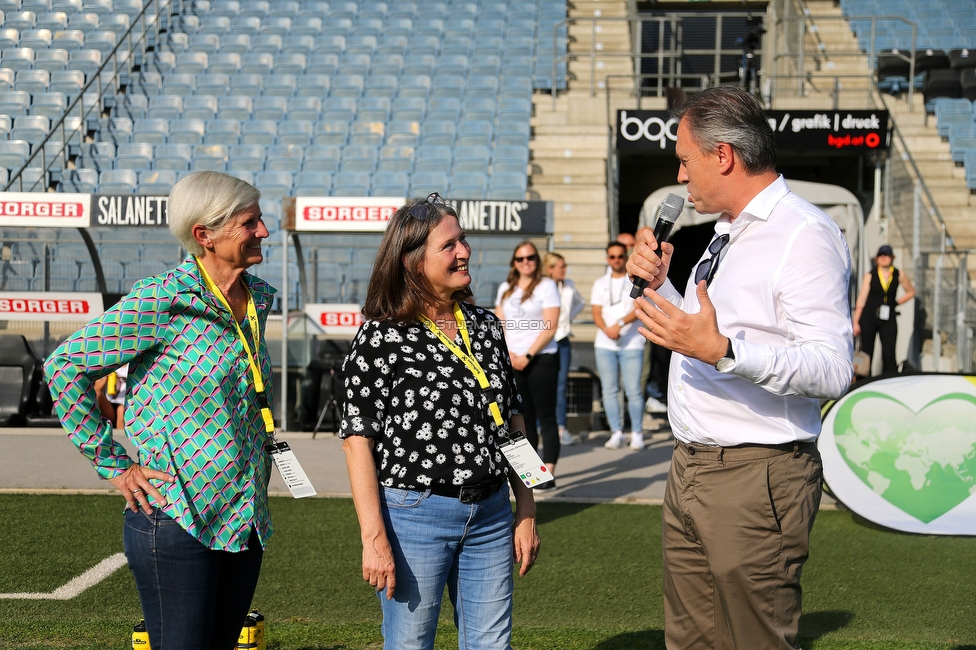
636 441
565 437
616 441
654 405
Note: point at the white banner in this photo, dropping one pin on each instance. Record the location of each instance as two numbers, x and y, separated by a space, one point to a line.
45 210
50 306
901 452
345 214
335 319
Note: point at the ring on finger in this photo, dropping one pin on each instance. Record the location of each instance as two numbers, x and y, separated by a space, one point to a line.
137 491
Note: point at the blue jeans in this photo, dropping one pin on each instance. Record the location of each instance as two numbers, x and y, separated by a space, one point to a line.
440 541
611 365
565 356
193 598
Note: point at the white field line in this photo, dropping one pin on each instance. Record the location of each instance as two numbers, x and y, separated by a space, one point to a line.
75 586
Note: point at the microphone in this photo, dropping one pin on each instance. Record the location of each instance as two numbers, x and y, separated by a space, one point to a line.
667 215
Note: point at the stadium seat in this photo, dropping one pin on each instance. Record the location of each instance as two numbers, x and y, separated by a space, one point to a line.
296 132
203 42
305 108
117 181
235 107
69 82
274 184
82 181
247 85
69 39
423 183
269 108
13 153
322 158
158 182
167 107
187 131
284 158
410 109
102 40
15 102
17 58
261 132
313 85
136 156
235 44
211 157
311 183
31 128
200 107
118 23
175 156
212 83
192 62
20 20
162 62
151 130
223 131
351 184
97 155
388 183
86 61
257 63
247 158
51 60
331 132
115 129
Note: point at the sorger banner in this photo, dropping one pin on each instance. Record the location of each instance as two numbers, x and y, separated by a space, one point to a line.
45 210
50 306
335 319
901 452
843 132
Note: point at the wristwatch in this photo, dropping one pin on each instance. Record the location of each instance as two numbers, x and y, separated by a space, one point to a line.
528 356
620 322
727 361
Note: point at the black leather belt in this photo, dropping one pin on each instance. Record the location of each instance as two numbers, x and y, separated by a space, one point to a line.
469 493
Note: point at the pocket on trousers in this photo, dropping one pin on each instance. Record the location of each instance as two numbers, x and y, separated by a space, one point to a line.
397 498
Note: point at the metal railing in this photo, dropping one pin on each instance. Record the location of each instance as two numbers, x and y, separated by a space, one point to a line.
669 28
80 130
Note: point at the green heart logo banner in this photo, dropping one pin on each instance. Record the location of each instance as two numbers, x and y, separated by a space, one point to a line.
901 452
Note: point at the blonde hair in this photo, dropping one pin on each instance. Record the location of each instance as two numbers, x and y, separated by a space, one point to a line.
209 199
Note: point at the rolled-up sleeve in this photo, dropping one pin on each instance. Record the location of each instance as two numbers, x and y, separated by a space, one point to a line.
812 297
368 378
117 337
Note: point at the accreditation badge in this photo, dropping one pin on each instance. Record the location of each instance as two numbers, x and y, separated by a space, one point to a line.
291 470
526 462
884 312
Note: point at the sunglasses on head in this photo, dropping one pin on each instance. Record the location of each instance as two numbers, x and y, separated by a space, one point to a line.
423 210
527 258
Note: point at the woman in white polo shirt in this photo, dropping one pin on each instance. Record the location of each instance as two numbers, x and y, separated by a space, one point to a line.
528 306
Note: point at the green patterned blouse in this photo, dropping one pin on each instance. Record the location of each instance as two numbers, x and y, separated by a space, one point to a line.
191 409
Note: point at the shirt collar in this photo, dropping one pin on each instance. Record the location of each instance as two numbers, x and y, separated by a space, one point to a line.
761 205
187 276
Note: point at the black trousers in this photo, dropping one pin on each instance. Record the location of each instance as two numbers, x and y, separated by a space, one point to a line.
537 385
887 330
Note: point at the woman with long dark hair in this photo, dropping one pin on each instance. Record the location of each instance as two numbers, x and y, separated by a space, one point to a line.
430 401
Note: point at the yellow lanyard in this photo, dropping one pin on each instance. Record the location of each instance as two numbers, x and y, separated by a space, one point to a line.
252 319
885 285
468 359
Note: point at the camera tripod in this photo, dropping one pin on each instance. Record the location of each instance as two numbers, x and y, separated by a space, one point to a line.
332 404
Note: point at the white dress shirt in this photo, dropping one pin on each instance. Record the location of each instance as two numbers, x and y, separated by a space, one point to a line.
781 296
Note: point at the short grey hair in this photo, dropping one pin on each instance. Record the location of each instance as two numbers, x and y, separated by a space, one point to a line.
209 199
731 115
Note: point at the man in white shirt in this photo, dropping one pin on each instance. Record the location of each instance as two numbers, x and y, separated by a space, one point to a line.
619 348
761 335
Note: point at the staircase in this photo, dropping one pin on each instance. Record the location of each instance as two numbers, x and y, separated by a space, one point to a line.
571 144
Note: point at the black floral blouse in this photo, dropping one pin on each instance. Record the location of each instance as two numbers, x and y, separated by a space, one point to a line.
423 406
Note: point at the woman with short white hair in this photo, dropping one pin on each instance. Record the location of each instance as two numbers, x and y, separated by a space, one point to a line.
197 414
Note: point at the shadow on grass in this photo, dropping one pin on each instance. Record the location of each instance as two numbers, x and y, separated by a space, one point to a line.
553 510
645 639
814 625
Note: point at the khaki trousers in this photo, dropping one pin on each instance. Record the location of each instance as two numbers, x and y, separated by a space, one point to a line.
736 531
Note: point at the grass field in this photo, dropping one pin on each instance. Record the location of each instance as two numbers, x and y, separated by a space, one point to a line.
597 585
